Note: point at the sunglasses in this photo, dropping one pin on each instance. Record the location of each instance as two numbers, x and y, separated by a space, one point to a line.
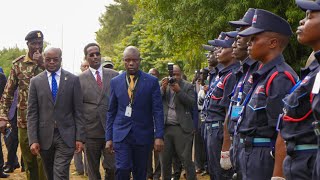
96 53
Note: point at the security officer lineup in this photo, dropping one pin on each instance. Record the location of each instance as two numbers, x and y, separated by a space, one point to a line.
247 116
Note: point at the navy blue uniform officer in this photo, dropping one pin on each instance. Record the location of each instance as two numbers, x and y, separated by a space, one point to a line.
257 123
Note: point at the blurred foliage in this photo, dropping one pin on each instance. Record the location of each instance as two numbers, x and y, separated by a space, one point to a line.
7 56
173 31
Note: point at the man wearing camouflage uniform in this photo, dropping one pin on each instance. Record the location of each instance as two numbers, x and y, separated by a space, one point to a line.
23 69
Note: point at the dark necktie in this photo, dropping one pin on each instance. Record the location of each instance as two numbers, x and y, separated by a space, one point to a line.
99 81
54 86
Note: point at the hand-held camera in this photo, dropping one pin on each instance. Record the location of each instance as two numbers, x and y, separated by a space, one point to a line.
170 69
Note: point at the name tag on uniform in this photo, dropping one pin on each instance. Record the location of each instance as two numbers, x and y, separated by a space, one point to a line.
128 111
316 85
236 111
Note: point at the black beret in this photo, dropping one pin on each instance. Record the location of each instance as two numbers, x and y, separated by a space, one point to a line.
33 35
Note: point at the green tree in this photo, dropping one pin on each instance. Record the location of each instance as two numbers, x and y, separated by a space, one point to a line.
174 30
7 55
114 25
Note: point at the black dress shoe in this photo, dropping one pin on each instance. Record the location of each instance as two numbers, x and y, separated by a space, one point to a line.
8 169
16 166
4 175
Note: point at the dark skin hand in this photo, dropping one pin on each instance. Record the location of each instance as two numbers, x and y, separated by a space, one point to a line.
164 83
280 154
158 145
35 149
3 125
109 147
37 56
79 146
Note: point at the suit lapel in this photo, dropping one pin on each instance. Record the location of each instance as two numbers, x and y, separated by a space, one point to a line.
106 83
46 86
139 86
123 85
62 83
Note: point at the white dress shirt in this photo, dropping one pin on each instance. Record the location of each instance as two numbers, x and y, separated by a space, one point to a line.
93 71
57 77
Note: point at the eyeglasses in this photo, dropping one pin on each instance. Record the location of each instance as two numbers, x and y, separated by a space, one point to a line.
55 60
96 53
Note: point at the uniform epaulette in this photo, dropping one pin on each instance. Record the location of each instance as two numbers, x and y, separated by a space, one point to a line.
18 59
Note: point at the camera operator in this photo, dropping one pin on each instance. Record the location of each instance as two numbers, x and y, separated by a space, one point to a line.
178 99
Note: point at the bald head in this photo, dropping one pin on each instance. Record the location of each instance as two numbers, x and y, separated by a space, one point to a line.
53 49
177 68
131 50
131 59
177 72
52 59
154 72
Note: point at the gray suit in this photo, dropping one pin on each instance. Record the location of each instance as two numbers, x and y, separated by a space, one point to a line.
55 125
178 137
96 103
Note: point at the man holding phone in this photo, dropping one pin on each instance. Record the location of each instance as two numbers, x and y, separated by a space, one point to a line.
23 69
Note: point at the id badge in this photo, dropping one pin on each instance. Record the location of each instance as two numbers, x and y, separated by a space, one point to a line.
316 85
236 111
128 111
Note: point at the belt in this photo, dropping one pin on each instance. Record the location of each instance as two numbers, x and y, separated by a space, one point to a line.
215 123
256 142
300 148
303 147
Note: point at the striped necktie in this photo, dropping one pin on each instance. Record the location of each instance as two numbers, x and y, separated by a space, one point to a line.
99 81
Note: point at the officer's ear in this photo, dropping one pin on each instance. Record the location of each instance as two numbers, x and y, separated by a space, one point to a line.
273 43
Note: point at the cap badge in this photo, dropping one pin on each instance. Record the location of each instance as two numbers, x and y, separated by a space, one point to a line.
254 19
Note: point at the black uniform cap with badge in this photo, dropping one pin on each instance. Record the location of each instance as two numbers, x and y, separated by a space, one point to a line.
309 5
34 35
227 41
211 48
245 21
222 36
265 21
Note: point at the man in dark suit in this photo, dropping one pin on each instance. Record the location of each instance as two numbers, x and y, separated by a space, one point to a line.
135 118
95 85
178 101
55 119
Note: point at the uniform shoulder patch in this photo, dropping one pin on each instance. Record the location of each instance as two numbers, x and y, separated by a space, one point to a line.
18 59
